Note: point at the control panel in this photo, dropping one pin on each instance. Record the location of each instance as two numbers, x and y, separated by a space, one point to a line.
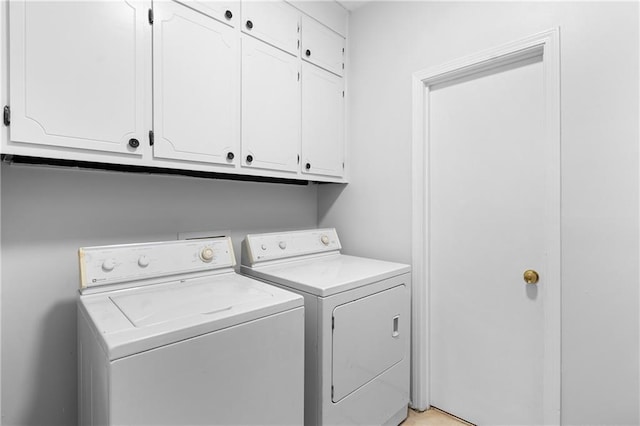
106 265
273 246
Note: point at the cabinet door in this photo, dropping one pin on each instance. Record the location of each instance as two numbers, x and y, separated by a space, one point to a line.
322 122
196 86
270 107
224 11
322 46
80 74
273 22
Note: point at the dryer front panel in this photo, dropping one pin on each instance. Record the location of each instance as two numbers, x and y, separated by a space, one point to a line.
369 337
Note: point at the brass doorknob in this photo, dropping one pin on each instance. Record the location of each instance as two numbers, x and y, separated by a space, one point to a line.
531 276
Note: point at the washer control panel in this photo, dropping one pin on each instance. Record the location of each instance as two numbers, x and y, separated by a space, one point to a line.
273 246
105 265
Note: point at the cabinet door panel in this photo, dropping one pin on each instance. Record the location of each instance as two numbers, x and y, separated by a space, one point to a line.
322 122
224 11
79 73
321 46
274 22
196 86
270 107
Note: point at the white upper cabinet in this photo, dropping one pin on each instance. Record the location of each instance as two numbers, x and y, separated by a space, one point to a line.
220 86
321 46
270 107
224 11
196 86
274 22
79 74
330 13
322 122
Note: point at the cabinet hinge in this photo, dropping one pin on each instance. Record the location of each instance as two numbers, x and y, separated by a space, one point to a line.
343 165
151 16
298 158
7 115
298 44
343 93
298 75
332 392
343 65
151 137
333 323
343 50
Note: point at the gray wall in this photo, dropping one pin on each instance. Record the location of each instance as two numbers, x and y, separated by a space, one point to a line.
47 214
388 41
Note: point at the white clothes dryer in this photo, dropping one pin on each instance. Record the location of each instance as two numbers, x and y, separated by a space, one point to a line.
357 324
169 334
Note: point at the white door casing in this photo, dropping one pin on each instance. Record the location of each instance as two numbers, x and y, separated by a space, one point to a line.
545 44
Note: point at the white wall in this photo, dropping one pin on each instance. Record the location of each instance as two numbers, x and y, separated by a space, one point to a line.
388 41
47 214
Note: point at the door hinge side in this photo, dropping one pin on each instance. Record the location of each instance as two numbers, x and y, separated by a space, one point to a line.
151 138
6 118
150 16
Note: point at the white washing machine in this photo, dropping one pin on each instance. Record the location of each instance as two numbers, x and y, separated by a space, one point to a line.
169 334
357 329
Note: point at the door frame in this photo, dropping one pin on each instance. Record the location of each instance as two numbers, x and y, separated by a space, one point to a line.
545 44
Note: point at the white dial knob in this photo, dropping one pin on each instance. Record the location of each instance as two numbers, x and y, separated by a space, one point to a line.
206 254
108 265
282 245
143 261
263 247
325 240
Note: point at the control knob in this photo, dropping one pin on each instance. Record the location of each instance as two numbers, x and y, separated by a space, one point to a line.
282 245
143 261
206 254
108 265
325 240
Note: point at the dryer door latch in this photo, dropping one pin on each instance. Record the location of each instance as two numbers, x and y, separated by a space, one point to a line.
396 321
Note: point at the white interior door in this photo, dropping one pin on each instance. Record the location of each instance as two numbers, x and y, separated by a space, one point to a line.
487 197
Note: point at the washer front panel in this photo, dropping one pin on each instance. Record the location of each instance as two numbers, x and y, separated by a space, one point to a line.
132 263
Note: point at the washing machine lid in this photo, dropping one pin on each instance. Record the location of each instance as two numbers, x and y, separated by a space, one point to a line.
326 275
134 320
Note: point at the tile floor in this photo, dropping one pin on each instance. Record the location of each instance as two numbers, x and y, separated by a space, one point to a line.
432 417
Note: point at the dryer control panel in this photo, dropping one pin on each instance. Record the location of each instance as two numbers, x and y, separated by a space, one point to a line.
257 248
131 263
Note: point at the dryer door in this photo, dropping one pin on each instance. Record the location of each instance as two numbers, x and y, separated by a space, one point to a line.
368 338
